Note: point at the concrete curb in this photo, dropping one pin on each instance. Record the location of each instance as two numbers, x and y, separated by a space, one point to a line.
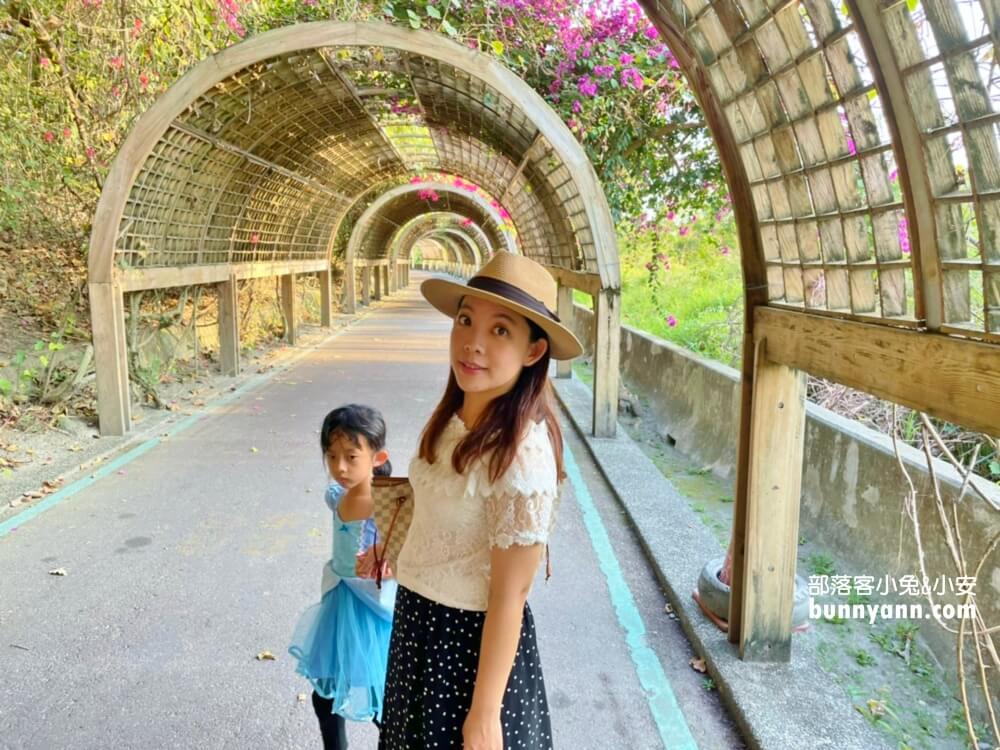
777 706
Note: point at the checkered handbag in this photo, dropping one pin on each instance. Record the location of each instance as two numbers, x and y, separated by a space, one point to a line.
393 498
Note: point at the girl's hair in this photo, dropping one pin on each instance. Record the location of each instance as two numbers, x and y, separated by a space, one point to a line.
501 427
353 422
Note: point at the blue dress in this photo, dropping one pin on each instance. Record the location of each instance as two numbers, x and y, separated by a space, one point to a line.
342 643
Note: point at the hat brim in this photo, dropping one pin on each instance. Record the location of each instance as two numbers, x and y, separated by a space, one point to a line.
445 296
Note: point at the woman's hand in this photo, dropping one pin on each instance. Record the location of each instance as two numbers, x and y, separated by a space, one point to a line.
482 731
364 566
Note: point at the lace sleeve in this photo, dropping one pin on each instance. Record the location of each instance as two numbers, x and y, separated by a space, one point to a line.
522 505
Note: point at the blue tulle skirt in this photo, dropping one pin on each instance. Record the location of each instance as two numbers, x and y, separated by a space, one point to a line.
342 646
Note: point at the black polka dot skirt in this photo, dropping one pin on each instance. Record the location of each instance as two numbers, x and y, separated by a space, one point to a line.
433 659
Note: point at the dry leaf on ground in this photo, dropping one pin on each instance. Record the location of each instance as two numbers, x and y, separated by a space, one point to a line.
698 664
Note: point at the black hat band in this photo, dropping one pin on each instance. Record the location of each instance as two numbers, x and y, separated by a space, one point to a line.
512 293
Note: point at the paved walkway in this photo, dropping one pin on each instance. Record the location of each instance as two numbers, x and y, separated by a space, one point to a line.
188 561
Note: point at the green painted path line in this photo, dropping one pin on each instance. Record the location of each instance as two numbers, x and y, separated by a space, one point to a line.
673 728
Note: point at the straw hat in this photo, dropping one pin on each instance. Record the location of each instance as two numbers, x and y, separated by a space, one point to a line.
518 283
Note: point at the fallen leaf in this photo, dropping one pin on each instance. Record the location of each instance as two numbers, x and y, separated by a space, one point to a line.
57 572
668 609
698 664
303 697
254 449
265 656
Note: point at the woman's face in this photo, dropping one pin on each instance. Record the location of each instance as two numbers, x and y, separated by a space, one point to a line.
490 344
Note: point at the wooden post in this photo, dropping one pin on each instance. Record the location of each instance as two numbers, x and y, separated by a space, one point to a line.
325 297
288 306
564 309
229 327
778 415
390 277
386 290
366 286
607 342
376 282
107 314
350 304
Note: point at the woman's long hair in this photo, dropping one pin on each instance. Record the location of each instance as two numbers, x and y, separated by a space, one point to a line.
501 427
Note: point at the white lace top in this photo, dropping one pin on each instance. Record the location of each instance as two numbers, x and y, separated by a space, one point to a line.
458 518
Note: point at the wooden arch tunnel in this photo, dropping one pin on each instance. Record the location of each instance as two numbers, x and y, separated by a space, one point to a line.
253 192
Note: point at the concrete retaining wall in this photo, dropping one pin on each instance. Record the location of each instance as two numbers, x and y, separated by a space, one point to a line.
853 490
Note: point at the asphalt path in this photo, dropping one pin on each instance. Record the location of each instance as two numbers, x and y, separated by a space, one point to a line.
197 556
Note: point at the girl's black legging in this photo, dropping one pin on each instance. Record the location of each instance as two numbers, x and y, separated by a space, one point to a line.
332 726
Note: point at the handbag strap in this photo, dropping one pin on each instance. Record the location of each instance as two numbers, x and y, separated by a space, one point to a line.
380 559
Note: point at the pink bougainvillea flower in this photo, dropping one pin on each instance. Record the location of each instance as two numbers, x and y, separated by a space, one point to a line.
577 106
116 92
626 59
254 238
684 230
587 86
632 77
851 148
651 32
45 62
143 81
904 236
91 153
671 215
467 222
116 62
893 175
49 136
724 250
604 71
651 266
67 132
671 321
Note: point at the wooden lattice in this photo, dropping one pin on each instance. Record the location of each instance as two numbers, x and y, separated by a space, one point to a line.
269 162
834 207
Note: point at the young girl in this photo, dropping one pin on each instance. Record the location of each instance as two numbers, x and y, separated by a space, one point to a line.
464 669
342 643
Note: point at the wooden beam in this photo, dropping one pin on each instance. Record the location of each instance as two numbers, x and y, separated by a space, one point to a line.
289 307
585 282
325 297
771 537
366 286
566 313
520 167
954 379
108 332
908 146
607 343
134 279
232 148
229 327
350 304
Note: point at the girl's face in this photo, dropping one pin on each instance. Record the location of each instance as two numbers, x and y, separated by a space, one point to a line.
351 463
490 344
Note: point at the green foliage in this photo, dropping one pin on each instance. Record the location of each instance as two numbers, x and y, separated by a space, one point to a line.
820 565
683 283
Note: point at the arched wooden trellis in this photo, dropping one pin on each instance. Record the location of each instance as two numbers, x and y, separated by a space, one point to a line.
248 165
464 228
369 247
860 141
